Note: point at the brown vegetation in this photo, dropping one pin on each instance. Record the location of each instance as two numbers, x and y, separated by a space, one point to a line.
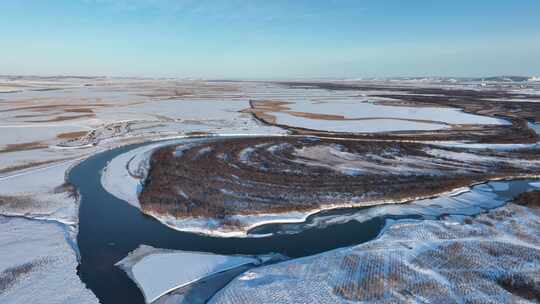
9 277
29 165
24 147
197 133
530 199
79 110
465 259
68 188
218 178
71 135
232 223
53 106
261 109
63 118
12 275
522 286
15 200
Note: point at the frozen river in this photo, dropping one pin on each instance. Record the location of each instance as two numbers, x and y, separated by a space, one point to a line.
110 229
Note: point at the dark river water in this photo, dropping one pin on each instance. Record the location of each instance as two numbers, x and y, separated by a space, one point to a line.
110 228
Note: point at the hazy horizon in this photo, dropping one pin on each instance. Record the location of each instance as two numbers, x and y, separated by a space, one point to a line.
241 39
187 78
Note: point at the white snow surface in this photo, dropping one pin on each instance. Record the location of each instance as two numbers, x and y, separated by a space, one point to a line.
24 133
472 158
117 177
364 116
38 264
447 261
35 195
159 271
498 147
356 126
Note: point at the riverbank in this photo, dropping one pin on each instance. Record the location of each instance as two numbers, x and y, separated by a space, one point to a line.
491 257
125 176
122 228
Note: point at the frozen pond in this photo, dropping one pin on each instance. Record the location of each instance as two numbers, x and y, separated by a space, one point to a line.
350 115
356 126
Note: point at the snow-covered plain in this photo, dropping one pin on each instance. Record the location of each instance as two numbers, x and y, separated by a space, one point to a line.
494 258
39 194
49 124
19 134
38 261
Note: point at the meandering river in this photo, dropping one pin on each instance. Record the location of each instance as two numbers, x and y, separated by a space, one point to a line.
110 228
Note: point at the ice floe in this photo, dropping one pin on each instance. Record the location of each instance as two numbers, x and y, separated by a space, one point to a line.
160 271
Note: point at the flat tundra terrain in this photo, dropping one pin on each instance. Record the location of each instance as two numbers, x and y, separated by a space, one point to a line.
222 158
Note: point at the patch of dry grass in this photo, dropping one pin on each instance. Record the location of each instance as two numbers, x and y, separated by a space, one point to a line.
522 286
24 147
197 133
30 165
49 107
261 109
68 188
63 118
71 135
19 200
530 199
79 110
9 276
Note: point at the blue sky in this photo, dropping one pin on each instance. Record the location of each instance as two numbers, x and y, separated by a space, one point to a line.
270 38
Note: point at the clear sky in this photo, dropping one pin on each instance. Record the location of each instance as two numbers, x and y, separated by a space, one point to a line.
270 38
